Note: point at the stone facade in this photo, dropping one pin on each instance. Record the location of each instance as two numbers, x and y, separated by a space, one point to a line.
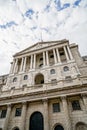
46 89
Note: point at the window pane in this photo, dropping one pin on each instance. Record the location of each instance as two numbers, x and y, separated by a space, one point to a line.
3 113
52 71
25 77
76 105
66 68
18 112
56 107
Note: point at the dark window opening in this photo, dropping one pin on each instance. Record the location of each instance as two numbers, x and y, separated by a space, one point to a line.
52 71
3 113
25 77
41 65
41 59
53 81
18 112
76 105
61 53
15 79
66 68
59 127
68 79
56 107
51 56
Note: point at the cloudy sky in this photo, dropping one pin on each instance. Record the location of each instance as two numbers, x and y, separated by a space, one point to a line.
25 22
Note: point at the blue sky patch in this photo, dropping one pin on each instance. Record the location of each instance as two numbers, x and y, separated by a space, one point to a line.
77 2
8 25
29 13
60 7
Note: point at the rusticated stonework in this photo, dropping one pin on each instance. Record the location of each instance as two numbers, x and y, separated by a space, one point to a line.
46 89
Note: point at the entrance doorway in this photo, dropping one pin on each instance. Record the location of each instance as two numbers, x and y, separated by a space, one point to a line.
36 121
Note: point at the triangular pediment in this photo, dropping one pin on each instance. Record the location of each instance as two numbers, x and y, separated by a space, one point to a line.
39 45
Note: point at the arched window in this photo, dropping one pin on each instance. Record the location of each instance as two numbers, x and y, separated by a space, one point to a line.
81 126
25 77
39 79
66 68
52 71
15 79
58 127
16 129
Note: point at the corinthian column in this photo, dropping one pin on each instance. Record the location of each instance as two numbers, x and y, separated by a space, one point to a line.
21 67
11 68
24 66
31 62
7 117
34 61
23 116
58 56
47 58
15 66
69 51
44 61
67 57
55 58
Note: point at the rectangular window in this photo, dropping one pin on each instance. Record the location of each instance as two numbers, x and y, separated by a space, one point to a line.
18 112
76 105
3 113
56 107
53 82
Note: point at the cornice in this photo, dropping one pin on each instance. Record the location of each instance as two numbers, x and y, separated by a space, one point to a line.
57 43
48 94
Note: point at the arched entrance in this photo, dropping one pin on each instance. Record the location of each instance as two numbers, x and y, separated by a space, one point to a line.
81 126
58 127
36 121
39 79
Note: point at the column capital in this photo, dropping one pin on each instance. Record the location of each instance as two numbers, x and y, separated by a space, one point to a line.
63 97
84 95
24 103
45 100
9 105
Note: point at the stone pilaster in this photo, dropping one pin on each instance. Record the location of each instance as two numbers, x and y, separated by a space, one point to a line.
66 113
7 117
23 115
46 115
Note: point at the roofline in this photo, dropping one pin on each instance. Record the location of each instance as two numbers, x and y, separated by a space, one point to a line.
61 41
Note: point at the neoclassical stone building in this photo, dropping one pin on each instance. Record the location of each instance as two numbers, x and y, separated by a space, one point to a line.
46 89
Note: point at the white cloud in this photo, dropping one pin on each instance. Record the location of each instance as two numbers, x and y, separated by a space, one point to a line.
69 23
